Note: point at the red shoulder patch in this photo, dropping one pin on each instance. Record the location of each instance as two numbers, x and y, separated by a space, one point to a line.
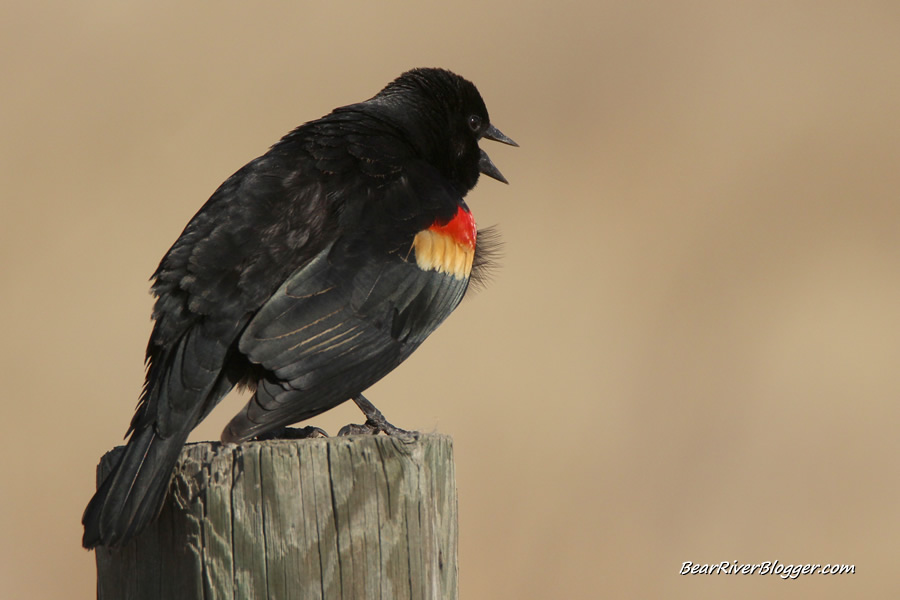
447 247
461 228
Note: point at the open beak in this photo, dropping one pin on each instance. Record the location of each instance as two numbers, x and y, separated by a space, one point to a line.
485 165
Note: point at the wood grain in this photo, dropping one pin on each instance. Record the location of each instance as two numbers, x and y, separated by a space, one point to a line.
329 518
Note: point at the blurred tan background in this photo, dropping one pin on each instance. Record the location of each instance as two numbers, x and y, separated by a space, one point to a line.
690 353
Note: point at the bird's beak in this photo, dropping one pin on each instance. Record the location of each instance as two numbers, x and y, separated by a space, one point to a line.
485 165
494 134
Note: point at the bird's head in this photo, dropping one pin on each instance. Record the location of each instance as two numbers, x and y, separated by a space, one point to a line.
445 117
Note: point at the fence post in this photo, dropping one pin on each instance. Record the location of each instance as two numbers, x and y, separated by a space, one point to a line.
350 518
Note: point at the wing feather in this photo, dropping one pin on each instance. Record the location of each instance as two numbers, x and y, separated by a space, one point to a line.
333 329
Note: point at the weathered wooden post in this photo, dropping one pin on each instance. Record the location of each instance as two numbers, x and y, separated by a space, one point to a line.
354 517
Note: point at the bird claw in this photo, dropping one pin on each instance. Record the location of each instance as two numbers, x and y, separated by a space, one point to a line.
376 426
372 428
375 423
293 433
396 432
355 429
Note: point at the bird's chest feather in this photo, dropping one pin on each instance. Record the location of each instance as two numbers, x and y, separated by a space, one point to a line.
447 247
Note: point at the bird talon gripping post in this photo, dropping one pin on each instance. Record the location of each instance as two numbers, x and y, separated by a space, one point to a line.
308 275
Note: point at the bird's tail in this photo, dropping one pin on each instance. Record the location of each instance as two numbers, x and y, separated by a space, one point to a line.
133 493
183 384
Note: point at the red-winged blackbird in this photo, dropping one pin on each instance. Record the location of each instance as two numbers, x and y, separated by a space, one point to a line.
308 275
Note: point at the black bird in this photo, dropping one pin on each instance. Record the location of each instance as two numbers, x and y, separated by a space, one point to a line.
309 274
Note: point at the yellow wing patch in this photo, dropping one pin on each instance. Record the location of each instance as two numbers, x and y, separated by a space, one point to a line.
440 252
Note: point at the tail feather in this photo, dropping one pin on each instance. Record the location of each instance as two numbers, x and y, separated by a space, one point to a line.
132 494
183 385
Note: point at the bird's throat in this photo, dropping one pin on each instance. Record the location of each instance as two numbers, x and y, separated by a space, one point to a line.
448 247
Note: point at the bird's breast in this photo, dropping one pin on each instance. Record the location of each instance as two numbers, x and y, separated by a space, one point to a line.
447 247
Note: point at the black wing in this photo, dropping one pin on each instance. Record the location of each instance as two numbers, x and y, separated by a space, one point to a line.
336 327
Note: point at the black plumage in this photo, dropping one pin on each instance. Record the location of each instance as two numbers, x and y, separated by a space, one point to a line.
303 278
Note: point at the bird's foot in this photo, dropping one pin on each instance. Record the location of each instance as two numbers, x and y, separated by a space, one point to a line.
293 433
375 427
375 423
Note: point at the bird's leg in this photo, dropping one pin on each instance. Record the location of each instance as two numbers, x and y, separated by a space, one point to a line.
292 433
375 422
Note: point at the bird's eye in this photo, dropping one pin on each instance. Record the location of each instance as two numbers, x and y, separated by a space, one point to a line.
474 122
